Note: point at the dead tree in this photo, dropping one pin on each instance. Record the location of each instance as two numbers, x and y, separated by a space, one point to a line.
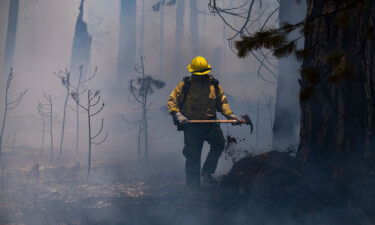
141 89
47 111
93 101
8 105
79 89
64 76
45 118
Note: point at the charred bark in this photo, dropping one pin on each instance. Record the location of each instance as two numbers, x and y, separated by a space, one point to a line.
180 15
127 40
338 119
81 49
194 26
10 43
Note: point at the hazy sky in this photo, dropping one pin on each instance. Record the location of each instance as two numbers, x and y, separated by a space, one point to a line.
43 46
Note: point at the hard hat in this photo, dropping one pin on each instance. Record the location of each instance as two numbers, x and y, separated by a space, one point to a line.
199 66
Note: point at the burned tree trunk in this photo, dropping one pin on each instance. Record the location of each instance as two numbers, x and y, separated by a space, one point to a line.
10 43
161 31
81 49
64 76
179 30
8 105
194 26
44 117
46 111
127 40
337 85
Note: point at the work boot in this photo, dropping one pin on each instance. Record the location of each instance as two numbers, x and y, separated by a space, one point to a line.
208 178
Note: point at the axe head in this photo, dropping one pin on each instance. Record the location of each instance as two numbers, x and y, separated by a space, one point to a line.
248 121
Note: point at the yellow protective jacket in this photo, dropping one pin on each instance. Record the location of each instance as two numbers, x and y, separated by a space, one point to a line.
200 101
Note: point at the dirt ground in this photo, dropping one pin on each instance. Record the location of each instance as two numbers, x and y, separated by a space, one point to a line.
117 192
265 189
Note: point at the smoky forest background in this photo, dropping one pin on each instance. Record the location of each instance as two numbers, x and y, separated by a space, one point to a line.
86 137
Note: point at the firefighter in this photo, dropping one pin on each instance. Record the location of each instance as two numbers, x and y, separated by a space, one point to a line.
198 97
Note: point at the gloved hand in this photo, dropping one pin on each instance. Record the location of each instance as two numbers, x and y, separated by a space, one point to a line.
181 118
238 119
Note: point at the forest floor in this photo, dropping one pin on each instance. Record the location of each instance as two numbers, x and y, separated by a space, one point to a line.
115 193
265 189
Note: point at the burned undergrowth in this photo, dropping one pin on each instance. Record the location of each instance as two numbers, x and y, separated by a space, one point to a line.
272 188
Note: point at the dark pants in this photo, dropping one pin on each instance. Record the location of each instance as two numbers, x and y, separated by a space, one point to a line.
195 135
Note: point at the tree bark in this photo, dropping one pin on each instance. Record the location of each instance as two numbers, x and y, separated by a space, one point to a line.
141 50
180 14
161 54
194 27
43 135
128 39
89 134
63 122
51 129
338 120
81 49
10 43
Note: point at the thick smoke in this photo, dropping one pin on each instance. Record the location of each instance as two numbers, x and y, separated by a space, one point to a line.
43 46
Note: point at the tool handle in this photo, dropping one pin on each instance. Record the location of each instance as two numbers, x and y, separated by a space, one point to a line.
212 121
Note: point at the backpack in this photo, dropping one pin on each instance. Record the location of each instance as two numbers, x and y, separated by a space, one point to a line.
186 87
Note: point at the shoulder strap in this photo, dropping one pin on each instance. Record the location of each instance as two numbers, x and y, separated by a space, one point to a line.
215 82
185 89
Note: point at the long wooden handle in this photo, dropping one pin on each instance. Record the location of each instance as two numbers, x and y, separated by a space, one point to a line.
212 121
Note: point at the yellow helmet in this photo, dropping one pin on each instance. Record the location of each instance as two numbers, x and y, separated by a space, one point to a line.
199 66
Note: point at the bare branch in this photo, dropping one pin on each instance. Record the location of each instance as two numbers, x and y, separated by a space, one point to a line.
100 130
19 98
262 65
10 78
91 96
98 111
16 102
97 101
76 100
100 142
128 121
268 18
132 91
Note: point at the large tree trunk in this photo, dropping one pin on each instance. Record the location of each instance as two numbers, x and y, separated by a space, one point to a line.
339 118
161 31
81 49
180 14
141 50
127 40
10 43
194 27
287 113
63 122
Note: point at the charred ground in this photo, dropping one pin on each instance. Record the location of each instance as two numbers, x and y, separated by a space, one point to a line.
270 188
